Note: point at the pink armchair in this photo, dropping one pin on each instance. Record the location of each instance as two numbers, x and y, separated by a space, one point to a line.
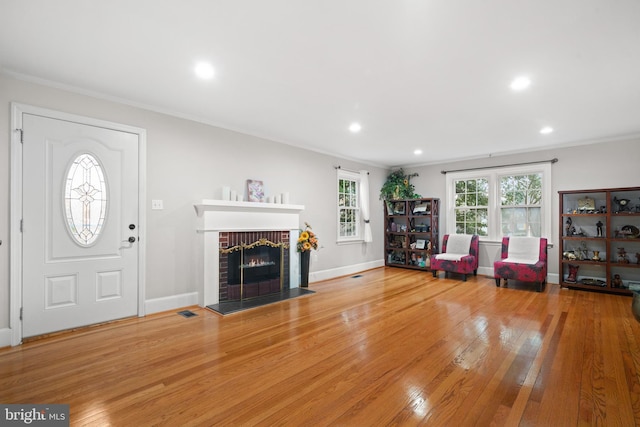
459 255
524 259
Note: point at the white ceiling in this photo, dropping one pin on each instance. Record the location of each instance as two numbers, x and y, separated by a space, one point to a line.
424 74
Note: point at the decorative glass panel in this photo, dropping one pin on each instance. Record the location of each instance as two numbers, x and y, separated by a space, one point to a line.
85 199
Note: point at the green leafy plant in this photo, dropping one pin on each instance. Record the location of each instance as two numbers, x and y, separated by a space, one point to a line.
398 186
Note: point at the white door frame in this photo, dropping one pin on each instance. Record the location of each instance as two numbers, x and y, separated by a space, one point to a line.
15 200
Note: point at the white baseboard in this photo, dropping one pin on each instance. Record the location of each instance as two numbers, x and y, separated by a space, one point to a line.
173 302
5 337
344 271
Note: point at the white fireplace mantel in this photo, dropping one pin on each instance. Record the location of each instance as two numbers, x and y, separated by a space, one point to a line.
225 205
215 216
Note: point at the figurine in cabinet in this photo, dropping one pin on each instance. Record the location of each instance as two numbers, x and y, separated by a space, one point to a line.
622 256
567 227
573 273
637 257
617 281
599 225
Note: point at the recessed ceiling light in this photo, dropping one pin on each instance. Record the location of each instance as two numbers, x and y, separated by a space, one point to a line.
520 83
204 70
417 152
355 127
546 130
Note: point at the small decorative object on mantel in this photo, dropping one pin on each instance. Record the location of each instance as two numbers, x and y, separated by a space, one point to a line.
306 242
255 190
398 186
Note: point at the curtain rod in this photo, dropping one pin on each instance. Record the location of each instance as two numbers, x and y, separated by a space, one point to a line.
555 160
348 170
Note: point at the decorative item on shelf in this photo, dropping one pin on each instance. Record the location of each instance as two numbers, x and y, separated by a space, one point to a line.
398 186
637 256
255 190
586 205
584 253
623 205
570 230
570 255
599 225
398 208
628 232
622 256
593 282
573 273
422 228
422 208
616 282
596 256
306 242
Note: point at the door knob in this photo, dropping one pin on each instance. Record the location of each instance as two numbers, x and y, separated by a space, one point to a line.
132 239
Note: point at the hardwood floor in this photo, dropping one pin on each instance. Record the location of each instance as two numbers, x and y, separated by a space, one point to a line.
392 347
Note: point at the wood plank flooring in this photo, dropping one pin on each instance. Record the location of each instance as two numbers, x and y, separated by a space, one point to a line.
392 347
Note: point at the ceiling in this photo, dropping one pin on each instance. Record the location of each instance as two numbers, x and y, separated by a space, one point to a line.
416 74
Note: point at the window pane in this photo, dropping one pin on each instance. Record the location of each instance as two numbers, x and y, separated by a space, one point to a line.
85 199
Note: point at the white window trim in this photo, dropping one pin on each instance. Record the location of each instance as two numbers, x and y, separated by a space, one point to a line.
493 176
352 176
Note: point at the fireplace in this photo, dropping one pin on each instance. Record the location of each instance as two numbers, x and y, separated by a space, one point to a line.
257 239
253 264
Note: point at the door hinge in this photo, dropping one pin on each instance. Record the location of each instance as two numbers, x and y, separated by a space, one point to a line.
21 309
21 135
21 221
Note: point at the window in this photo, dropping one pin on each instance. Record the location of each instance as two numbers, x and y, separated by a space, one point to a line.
513 201
472 206
85 198
349 227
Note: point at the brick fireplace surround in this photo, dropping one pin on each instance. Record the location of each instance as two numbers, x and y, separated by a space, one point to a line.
218 219
231 291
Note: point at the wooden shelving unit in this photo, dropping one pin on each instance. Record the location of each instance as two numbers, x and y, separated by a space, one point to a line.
600 239
411 232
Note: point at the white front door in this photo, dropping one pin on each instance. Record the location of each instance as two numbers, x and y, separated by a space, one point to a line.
80 224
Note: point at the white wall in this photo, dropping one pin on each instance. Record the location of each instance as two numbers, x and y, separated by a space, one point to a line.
188 162
609 164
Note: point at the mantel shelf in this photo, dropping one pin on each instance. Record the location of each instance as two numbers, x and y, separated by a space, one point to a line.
229 206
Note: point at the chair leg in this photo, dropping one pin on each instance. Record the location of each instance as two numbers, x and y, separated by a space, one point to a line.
497 281
464 277
435 273
475 272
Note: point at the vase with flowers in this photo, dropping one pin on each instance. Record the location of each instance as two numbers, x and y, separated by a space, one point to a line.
306 242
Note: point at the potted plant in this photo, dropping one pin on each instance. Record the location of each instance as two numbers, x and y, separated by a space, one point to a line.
398 186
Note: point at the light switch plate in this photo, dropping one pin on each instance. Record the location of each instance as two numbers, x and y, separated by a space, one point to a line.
157 205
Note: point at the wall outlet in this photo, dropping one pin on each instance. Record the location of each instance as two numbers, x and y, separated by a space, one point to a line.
157 205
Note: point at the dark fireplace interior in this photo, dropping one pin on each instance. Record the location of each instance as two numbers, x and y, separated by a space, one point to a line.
253 264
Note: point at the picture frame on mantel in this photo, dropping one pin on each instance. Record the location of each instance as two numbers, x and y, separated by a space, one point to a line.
255 190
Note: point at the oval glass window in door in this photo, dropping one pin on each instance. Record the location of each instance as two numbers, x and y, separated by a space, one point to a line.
85 197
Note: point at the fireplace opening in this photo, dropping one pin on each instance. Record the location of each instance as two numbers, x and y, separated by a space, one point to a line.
254 269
